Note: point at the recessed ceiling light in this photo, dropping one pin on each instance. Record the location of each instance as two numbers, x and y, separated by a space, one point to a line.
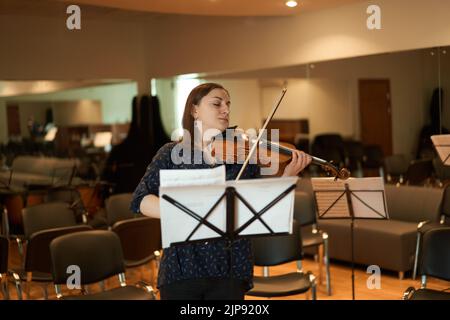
291 3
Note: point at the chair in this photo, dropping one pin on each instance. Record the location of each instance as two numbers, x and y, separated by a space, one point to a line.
312 236
329 147
435 262
99 256
419 171
4 250
355 155
140 239
37 265
425 226
45 216
71 196
396 167
373 160
276 250
118 208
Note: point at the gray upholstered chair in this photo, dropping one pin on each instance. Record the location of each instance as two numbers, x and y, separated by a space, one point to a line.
276 250
427 225
118 208
45 216
37 264
98 255
312 236
435 262
140 239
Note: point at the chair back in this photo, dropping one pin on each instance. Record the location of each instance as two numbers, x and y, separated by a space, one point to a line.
37 256
4 251
418 171
304 208
275 250
97 253
68 195
436 253
373 156
118 208
140 238
396 164
47 216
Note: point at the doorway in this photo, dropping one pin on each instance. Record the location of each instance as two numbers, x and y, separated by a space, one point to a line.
376 114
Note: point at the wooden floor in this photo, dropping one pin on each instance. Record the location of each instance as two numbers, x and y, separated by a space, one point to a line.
391 287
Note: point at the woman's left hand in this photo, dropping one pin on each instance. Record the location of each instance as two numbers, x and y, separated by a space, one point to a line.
300 161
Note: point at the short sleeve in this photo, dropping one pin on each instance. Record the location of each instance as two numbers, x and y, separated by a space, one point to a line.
149 183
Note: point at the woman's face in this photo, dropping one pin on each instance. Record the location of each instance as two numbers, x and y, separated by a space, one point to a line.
213 110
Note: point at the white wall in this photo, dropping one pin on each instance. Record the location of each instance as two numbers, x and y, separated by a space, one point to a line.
138 47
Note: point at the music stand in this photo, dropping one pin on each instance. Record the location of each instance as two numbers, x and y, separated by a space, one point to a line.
220 217
442 145
356 198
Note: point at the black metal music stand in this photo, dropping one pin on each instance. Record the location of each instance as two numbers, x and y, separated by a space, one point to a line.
231 233
348 212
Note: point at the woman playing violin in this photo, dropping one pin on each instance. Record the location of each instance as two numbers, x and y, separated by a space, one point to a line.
201 270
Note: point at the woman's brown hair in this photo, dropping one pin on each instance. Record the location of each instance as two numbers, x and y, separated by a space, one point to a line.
194 99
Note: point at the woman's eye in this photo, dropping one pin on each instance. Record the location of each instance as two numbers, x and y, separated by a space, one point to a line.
217 104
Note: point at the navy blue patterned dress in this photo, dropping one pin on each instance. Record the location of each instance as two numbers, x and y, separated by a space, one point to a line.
201 259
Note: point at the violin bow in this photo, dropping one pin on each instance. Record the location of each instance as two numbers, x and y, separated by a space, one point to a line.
256 142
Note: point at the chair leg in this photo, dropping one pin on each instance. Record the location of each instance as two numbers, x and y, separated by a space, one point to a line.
416 258
327 263
4 287
20 247
18 285
312 280
401 275
320 255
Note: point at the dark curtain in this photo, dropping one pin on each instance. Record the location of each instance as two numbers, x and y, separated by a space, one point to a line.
128 160
426 149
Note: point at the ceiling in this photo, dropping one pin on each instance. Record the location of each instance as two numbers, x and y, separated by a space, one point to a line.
217 7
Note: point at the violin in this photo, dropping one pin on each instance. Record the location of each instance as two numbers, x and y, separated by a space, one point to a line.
242 146
235 148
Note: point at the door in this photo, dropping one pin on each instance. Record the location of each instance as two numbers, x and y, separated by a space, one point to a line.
375 112
12 114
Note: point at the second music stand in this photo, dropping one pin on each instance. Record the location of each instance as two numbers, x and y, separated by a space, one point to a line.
361 198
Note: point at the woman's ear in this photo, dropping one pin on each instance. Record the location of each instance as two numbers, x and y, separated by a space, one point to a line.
194 111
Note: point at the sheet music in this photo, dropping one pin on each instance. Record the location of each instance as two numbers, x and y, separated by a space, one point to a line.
194 177
442 145
177 225
367 197
259 193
